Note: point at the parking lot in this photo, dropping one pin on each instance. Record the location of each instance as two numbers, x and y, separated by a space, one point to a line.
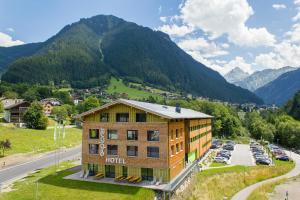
242 155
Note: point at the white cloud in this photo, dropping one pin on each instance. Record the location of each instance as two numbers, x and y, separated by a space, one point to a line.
284 54
175 30
294 34
206 48
163 19
228 17
279 6
159 9
7 41
225 45
10 29
297 17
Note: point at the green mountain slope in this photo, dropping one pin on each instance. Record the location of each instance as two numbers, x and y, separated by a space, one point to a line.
87 53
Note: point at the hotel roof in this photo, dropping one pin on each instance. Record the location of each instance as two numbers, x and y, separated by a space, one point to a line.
164 111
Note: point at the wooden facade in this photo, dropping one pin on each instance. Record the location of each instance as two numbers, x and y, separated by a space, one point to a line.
174 143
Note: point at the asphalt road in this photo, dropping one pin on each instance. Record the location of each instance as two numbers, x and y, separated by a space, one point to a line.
242 155
13 173
243 194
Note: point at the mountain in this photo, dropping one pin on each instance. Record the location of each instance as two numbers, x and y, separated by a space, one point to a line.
9 54
87 53
261 78
236 75
281 89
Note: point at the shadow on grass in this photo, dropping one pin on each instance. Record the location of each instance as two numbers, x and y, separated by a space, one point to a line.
58 180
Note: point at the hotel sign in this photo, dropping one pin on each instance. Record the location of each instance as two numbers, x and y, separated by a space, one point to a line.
115 160
102 142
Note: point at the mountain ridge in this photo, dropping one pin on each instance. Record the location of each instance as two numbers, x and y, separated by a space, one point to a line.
86 53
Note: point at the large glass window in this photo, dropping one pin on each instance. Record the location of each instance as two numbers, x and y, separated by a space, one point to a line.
93 148
112 134
104 117
132 135
147 174
94 133
112 150
141 117
153 135
122 117
177 135
124 171
153 152
132 150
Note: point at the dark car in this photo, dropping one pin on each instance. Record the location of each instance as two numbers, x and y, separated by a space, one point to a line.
283 158
228 147
263 161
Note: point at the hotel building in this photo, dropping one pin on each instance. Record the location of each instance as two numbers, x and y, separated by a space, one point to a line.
146 140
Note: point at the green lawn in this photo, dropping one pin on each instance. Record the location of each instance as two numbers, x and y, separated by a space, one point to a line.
117 86
29 140
217 183
54 187
216 164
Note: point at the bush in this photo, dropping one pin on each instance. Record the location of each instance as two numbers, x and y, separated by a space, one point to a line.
35 118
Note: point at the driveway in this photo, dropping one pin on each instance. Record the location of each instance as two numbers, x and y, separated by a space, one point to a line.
242 155
243 194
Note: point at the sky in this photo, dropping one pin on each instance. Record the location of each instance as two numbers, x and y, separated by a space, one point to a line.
222 34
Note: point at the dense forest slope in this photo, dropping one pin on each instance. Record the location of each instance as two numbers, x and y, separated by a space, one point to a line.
87 53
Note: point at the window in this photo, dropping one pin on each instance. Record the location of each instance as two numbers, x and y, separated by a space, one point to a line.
153 135
122 117
94 134
181 146
153 152
112 134
172 150
172 135
124 171
177 133
93 148
132 135
140 117
112 150
177 148
104 117
181 132
132 150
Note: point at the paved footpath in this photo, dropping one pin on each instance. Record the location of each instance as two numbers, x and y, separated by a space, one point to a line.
243 194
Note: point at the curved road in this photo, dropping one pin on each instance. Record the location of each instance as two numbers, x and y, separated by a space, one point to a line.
243 194
13 173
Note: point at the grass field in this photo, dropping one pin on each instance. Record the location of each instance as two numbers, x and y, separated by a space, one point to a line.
217 183
262 192
117 86
54 187
215 164
36 141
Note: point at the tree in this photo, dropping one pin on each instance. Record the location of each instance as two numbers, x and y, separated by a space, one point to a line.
10 95
60 113
34 117
31 95
88 104
5 145
64 96
1 107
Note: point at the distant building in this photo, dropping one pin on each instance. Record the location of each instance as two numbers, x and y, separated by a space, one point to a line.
145 140
14 112
48 105
8 102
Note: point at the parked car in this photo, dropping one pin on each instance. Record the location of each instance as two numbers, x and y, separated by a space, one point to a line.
220 159
282 157
228 147
263 161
